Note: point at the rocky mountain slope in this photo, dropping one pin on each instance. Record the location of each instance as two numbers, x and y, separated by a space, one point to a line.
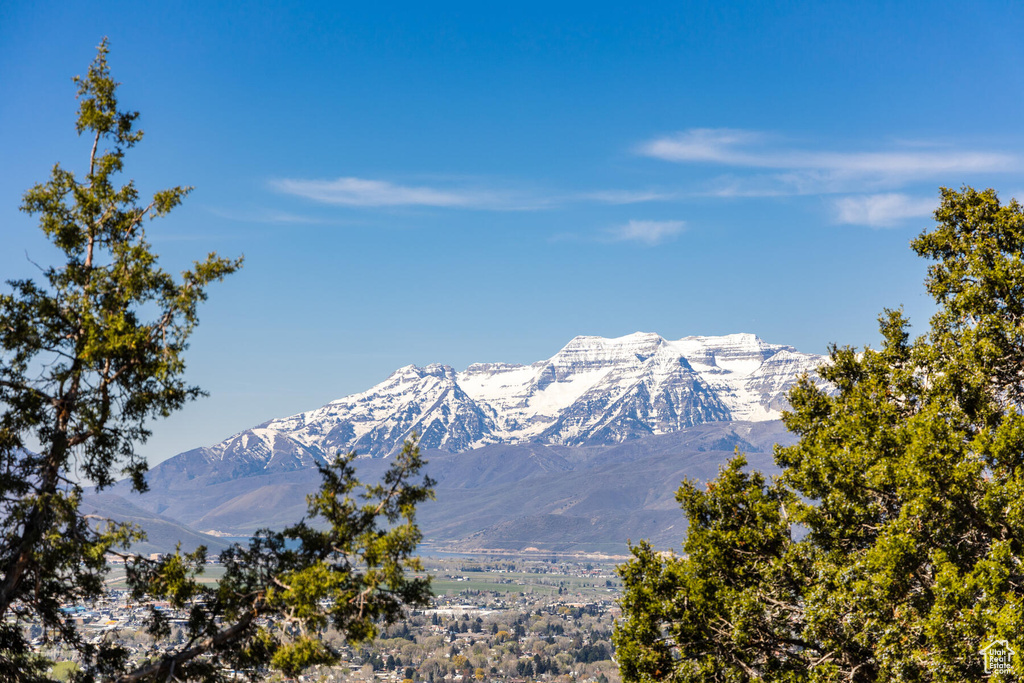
500 496
596 437
162 533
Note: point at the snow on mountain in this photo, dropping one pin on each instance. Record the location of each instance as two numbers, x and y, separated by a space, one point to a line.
249 453
594 390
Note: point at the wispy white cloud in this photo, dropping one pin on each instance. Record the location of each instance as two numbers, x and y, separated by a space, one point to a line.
802 171
628 196
650 233
717 145
268 216
361 192
883 210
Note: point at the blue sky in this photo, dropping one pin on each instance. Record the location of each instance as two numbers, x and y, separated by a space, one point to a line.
424 182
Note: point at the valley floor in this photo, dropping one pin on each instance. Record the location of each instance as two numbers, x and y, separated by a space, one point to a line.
492 619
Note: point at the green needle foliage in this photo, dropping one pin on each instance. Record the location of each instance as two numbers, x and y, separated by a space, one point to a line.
891 547
352 571
89 354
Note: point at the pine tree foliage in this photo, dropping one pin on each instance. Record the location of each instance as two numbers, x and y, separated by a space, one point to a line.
890 549
90 352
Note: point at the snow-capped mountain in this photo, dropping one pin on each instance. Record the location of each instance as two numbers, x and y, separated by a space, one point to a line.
593 391
584 447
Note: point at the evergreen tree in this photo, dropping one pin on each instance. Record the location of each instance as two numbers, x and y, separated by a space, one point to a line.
89 354
907 482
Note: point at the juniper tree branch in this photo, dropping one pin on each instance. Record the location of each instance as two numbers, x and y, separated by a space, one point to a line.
167 664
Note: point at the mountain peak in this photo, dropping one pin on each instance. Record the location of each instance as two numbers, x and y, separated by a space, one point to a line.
591 351
629 340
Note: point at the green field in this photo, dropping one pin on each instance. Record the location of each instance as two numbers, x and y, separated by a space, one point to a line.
484 581
116 576
539 583
449 587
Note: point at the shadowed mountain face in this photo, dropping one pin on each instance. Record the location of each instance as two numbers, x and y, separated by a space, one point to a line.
163 534
500 496
588 498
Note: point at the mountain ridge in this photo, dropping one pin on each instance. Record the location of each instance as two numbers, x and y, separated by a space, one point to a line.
593 390
596 436
501 496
